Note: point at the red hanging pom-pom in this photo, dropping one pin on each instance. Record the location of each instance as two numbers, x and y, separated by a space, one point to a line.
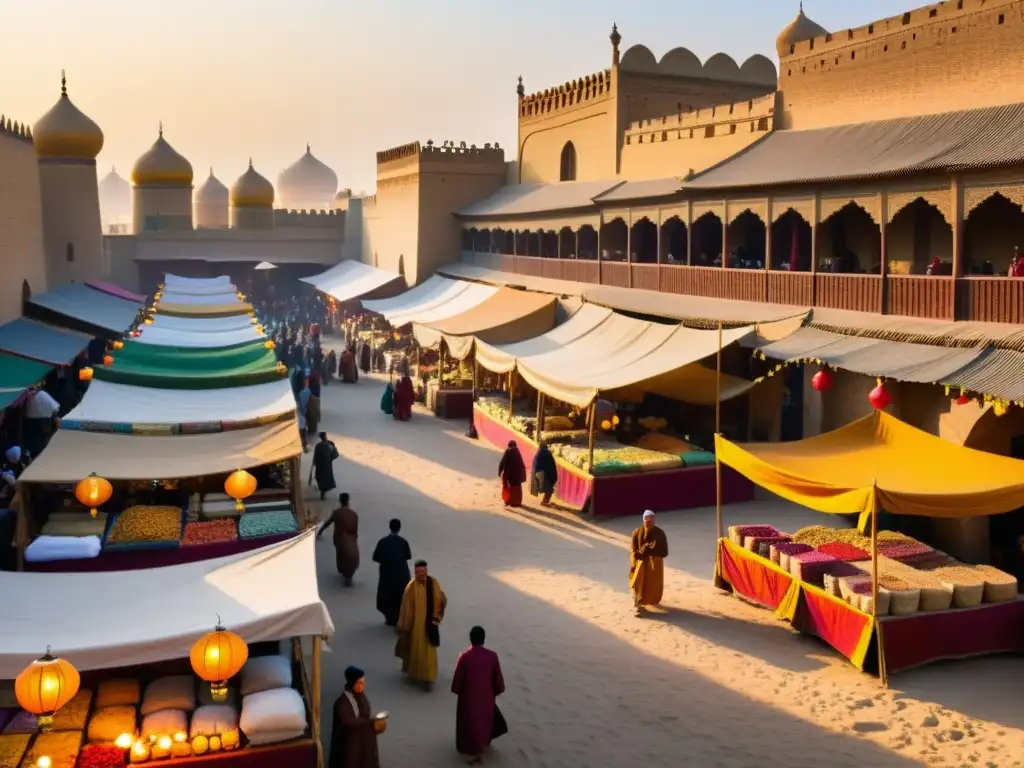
963 400
822 381
879 397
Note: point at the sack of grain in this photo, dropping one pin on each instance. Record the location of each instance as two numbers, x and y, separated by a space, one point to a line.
1000 587
849 585
737 533
754 543
811 566
967 583
904 602
780 552
884 602
936 598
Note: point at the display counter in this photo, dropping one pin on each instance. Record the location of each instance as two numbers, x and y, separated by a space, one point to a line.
624 494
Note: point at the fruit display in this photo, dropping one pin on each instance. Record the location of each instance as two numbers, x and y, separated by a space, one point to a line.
616 459
143 523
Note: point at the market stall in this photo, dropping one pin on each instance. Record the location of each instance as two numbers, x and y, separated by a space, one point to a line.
152 365
352 280
84 309
166 497
436 299
179 283
135 674
865 588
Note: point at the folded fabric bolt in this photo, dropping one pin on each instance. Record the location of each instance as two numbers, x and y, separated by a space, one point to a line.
48 548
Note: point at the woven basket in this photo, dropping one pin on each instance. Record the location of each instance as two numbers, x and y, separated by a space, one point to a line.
904 602
1000 587
884 602
966 595
936 598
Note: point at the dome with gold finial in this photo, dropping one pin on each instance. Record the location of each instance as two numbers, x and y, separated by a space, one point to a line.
162 165
212 192
252 190
66 131
307 182
797 31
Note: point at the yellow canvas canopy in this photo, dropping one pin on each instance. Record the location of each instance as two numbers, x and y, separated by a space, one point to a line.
881 463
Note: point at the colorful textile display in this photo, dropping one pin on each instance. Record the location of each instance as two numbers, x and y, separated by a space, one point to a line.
254 525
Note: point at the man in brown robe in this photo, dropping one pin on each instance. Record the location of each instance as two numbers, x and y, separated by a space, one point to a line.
647 564
346 538
355 728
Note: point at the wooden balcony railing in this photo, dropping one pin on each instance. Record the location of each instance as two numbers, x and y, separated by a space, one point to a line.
984 299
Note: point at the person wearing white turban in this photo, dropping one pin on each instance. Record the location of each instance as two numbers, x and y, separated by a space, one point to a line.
647 564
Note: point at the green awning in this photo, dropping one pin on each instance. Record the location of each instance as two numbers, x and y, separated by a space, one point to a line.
18 374
149 365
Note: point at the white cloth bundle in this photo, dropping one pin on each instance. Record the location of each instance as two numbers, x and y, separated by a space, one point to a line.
48 548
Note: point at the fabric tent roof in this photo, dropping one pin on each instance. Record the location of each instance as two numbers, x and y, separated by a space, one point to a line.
18 374
437 298
116 290
157 335
264 595
201 290
200 324
162 367
265 265
949 141
109 403
623 357
192 283
351 279
89 306
203 310
508 316
72 455
174 297
921 363
881 463
42 342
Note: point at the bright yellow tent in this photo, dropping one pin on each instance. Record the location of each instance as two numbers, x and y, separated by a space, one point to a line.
880 461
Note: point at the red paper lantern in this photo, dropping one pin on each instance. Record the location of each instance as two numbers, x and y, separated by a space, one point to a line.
963 400
822 381
879 397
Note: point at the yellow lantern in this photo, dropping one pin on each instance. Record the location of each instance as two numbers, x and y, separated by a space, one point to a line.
46 685
240 485
606 425
260 329
108 359
281 369
268 344
85 374
124 741
118 345
148 321
615 421
217 657
253 320
93 492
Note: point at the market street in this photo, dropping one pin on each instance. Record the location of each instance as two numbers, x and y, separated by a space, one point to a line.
711 679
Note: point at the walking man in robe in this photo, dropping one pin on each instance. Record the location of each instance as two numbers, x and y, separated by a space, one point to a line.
346 538
647 564
478 683
355 731
392 554
324 455
419 621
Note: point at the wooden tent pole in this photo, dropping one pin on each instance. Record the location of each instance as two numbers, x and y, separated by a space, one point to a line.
296 492
511 393
442 358
315 704
593 423
21 522
718 432
540 417
882 672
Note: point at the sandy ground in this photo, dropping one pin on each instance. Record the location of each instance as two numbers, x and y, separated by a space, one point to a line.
709 682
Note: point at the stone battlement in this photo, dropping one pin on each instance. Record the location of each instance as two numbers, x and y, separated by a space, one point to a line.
759 112
448 150
14 129
593 87
312 218
927 26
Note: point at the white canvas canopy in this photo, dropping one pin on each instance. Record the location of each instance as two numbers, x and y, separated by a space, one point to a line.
168 337
174 297
263 265
201 324
109 403
436 299
351 279
193 284
115 619
598 352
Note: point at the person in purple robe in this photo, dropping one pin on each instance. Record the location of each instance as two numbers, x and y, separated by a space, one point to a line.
478 683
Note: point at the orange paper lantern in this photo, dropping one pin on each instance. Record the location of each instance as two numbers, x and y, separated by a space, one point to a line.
240 485
93 492
45 686
108 359
118 345
85 374
268 344
217 657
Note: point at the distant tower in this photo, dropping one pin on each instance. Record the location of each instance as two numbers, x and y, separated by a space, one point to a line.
66 144
162 181
210 204
307 184
115 201
252 201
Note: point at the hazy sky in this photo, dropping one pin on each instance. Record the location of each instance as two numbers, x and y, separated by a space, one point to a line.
230 79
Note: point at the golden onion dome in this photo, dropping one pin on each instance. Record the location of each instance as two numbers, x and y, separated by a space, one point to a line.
797 31
252 190
307 179
162 165
212 191
66 131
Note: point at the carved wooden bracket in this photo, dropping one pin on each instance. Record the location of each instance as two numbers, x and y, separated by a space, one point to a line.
975 196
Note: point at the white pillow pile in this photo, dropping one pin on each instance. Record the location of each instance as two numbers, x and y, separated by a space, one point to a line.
213 720
272 711
177 692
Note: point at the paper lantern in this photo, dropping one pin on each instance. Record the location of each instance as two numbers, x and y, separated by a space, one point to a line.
879 396
118 345
606 425
124 741
148 321
963 400
240 485
85 374
136 333
108 359
46 685
822 381
216 658
999 408
93 492
268 344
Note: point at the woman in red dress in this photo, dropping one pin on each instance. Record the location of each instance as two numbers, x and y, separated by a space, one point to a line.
512 472
404 397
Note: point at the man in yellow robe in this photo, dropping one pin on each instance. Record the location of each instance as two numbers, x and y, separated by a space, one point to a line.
647 564
423 605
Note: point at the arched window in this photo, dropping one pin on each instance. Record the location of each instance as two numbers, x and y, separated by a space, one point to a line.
568 165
